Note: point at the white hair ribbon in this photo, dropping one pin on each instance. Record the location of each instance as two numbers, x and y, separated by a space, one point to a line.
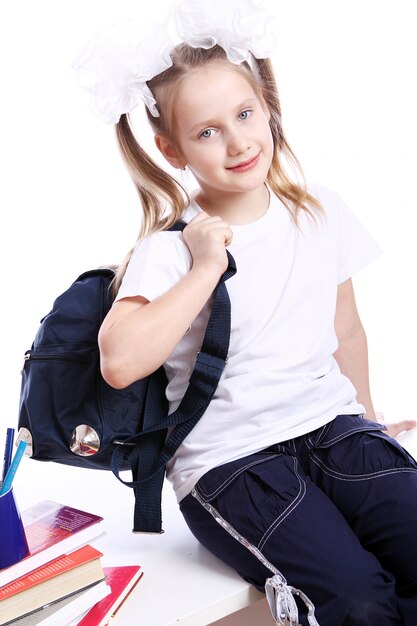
114 66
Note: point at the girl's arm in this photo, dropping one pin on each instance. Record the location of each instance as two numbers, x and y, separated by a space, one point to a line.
352 353
137 336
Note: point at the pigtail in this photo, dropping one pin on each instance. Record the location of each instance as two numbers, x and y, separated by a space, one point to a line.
163 199
293 194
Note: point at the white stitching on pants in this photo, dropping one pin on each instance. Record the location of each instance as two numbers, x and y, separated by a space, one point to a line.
346 433
291 507
229 479
321 434
355 477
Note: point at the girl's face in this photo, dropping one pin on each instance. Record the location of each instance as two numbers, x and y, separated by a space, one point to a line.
222 131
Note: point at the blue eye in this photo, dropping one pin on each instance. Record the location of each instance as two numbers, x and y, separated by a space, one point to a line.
243 115
204 134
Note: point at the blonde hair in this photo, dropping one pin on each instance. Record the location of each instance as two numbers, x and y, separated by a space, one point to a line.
163 197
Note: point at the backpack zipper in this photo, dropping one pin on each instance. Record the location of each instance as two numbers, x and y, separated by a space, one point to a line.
69 358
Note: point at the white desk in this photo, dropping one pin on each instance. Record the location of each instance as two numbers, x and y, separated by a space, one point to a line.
182 582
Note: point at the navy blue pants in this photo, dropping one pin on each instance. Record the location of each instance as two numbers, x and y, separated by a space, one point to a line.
335 511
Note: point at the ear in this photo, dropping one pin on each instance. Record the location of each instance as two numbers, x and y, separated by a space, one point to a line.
169 151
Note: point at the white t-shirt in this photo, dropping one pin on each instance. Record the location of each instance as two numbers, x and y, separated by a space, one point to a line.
281 380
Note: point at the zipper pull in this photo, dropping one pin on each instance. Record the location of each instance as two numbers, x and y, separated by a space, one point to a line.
25 360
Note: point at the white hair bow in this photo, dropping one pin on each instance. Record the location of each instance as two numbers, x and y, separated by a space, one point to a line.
114 66
240 27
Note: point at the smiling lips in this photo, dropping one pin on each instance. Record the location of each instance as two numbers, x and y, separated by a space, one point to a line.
246 165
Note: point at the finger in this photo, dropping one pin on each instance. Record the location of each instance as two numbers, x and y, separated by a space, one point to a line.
223 229
228 237
406 424
395 429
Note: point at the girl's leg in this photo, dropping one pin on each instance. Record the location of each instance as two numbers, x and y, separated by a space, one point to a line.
269 500
373 482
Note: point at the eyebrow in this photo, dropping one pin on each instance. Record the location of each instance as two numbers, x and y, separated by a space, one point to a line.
210 122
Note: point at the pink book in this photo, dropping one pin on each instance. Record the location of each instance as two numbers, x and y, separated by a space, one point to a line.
121 580
52 530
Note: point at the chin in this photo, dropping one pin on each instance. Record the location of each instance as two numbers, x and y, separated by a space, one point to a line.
251 184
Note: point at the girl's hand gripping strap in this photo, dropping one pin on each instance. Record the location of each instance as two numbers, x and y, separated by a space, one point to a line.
147 468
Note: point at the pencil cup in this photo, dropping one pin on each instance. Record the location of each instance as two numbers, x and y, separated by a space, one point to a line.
13 543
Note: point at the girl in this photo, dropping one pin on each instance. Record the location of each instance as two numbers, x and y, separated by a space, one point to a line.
288 469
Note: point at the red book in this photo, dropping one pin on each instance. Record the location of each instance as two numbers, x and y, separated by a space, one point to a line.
58 579
121 580
54 568
51 530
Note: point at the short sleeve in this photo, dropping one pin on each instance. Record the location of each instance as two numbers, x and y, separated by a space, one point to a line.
157 263
356 247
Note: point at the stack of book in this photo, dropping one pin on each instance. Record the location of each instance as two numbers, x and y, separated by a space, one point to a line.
62 580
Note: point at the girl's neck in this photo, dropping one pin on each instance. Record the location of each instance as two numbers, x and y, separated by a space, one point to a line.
236 208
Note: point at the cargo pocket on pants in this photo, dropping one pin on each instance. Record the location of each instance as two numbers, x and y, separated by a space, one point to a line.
255 494
248 498
353 448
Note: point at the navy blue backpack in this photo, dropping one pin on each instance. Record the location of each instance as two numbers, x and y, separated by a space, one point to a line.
69 414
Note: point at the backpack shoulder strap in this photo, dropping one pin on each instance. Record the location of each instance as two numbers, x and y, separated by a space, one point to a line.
207 371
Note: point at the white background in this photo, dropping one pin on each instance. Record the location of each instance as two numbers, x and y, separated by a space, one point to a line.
346 74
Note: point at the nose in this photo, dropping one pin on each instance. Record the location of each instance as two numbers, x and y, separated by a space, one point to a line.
237 142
